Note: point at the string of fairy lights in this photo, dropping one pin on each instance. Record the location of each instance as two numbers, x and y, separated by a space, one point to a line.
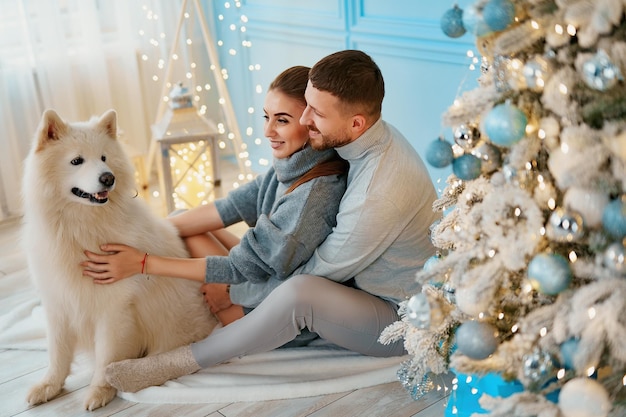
156 36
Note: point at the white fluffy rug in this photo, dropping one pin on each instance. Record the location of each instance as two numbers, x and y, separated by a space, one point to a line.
280 374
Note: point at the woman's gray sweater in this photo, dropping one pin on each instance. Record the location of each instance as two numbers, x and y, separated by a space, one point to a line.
284 229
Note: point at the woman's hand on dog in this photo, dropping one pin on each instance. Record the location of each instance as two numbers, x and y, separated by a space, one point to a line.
119 262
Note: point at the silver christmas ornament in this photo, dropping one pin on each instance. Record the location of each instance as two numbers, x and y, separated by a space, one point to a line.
600 73
418 311
565 226
538 367
466 136
614 258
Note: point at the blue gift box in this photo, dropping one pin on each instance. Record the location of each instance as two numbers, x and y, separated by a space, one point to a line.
463 400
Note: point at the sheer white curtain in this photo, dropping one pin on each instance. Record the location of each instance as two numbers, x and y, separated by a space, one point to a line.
79 57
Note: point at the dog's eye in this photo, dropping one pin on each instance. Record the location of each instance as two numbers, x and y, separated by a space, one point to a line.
77 161
104 158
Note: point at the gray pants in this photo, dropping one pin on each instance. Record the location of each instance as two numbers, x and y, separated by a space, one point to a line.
345 316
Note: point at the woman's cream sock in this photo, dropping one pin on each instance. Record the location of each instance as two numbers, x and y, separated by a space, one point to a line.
132 375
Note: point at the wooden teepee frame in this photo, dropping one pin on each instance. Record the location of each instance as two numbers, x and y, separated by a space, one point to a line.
229 113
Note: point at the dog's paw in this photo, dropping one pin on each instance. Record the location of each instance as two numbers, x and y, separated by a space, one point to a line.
42 392
99 396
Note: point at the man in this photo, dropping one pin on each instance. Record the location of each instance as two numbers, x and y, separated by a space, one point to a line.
349 291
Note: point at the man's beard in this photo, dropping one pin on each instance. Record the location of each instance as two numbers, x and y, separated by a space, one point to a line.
324 142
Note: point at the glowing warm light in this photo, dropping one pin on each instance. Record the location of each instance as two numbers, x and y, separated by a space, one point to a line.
541 134
552 203
571 30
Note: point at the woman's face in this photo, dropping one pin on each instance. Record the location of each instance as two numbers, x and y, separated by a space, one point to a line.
282 126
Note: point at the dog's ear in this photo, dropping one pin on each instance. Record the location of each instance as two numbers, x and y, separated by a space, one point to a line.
108 123
51 127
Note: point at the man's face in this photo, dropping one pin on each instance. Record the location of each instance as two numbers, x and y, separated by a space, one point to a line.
328 126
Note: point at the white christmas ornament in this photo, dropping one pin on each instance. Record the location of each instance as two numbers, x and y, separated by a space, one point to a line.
418 311
469 303
588 203
584 397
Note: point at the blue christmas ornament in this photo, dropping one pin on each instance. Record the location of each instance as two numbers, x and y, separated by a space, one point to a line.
452 22
505 124
439 153
466 167
430 262
549 273
614 218
474 22
499 14
568 350
476 340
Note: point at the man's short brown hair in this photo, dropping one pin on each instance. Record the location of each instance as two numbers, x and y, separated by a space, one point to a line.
354 78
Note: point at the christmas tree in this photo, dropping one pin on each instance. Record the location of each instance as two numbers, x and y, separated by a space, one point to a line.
529 286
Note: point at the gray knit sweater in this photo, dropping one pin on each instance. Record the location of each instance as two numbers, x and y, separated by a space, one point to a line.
382 236
285 229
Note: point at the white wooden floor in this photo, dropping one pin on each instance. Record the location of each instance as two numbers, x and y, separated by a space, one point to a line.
20 369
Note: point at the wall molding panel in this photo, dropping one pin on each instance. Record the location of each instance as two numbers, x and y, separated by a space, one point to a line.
423 69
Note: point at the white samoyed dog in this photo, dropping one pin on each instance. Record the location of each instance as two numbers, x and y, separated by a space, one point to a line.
79 192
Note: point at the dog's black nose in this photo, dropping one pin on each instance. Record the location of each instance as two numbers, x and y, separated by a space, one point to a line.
107 179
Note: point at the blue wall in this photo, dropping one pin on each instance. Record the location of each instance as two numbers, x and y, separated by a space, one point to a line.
424 70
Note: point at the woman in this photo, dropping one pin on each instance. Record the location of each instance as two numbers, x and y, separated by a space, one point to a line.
290 209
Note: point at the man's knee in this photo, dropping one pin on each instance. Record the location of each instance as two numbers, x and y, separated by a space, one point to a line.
299 288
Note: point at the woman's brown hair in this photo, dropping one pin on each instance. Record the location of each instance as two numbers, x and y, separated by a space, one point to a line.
292 82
